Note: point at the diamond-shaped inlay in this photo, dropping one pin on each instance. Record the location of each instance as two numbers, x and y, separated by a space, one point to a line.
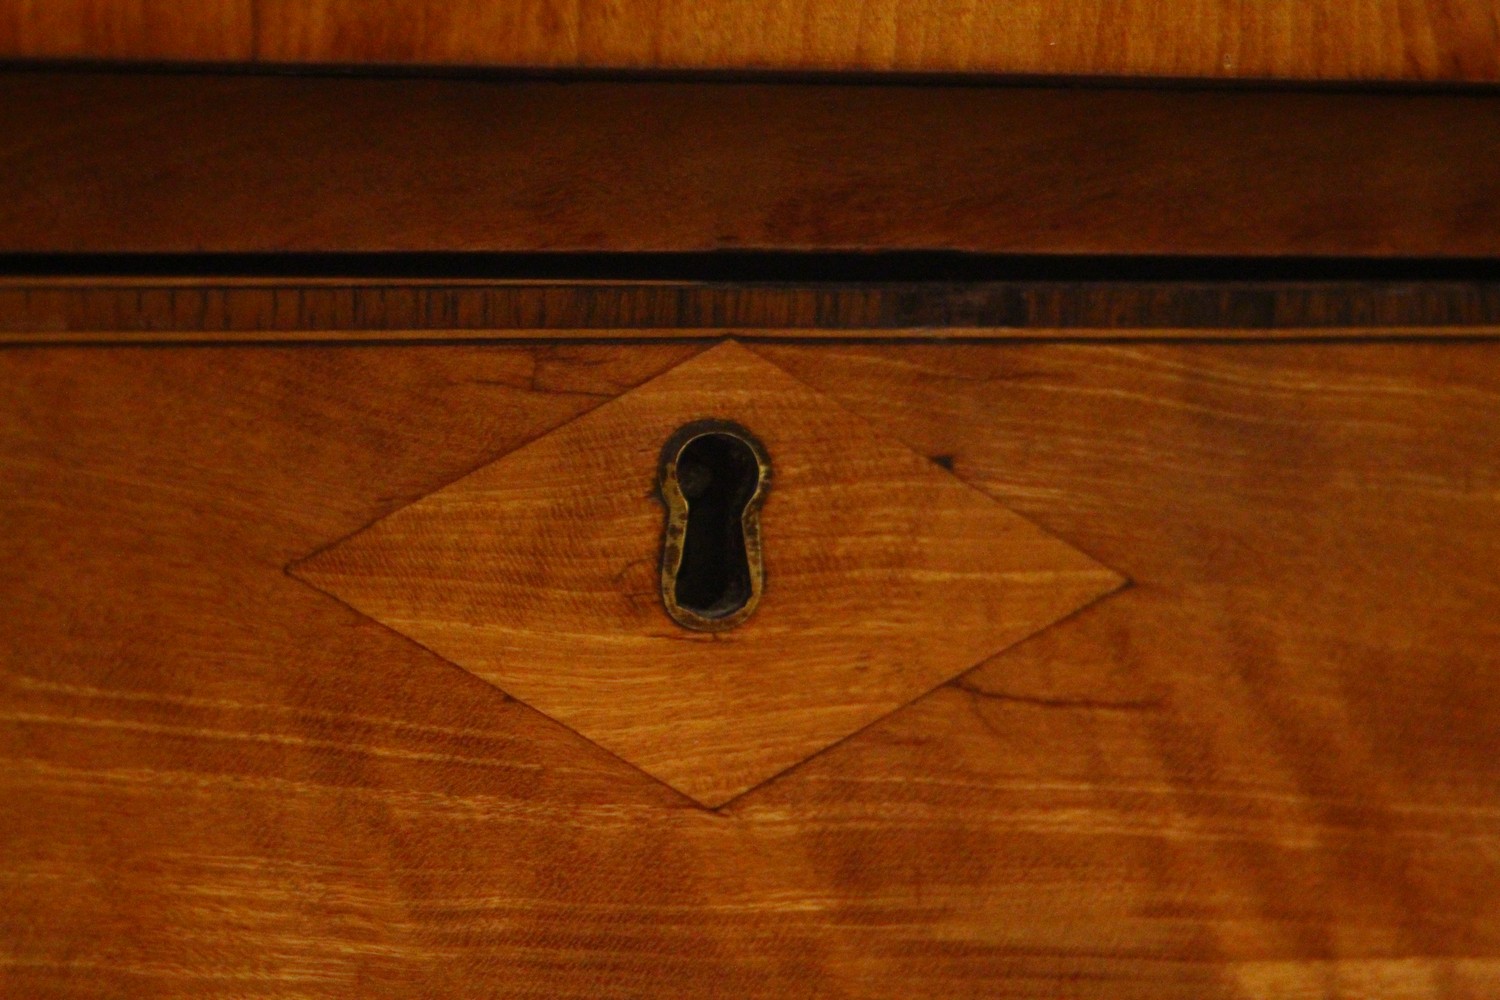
885 576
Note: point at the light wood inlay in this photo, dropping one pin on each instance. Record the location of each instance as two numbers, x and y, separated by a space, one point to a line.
540 572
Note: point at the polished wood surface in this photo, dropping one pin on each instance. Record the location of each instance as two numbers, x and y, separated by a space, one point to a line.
126 310
1271 768
198 31
541 573
191 163
1308 39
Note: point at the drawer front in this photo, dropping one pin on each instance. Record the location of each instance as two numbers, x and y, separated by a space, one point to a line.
1258 757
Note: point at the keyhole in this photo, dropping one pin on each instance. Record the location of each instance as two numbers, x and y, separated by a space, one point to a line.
714 477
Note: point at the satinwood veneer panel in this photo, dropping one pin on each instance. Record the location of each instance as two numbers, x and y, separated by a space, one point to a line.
1269 768
542 572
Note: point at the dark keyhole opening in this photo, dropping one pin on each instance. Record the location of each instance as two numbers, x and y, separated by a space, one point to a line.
718 474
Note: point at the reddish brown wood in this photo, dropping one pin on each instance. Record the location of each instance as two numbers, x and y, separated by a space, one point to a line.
197 31
1269 769
1310 39
187 163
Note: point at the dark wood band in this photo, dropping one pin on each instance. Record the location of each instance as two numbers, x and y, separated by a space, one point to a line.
139 311
193 162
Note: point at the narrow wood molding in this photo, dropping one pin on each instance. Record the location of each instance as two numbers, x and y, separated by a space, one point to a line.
182 311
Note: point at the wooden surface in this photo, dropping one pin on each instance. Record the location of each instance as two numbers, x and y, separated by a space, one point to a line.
1271 768
49 310
541 573
200 31
188 163
1308 39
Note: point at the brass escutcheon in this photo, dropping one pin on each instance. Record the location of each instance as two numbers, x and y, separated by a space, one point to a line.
713 478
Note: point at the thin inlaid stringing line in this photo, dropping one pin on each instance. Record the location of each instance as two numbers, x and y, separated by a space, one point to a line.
43 338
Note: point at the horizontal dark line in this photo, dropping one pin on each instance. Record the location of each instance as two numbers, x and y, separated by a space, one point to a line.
741 75
135 308
1229 342
752 267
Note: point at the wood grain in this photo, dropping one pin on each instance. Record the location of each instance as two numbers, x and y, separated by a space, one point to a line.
188 163
1456 40
1312 39
43 310
201 31
541 573
1269 769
